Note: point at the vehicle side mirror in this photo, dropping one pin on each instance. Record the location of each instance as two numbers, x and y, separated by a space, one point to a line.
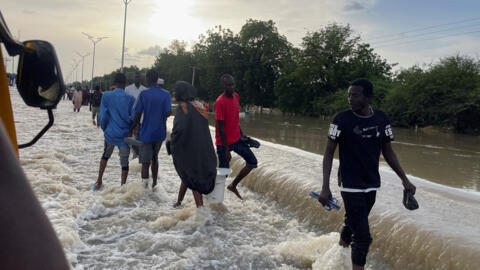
39 77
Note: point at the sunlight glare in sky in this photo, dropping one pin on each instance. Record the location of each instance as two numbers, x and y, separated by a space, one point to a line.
171 20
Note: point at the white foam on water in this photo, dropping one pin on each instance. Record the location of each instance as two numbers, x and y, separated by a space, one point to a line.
278 226
433 230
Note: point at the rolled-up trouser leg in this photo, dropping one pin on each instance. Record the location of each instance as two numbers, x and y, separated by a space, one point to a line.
357 209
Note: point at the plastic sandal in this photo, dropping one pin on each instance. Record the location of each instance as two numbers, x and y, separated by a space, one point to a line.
332 204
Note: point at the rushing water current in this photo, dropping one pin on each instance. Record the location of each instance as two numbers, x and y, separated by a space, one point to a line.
278 226
442 157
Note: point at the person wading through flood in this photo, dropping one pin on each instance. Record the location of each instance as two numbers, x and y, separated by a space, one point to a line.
77 99
156 105
191 145
95 105
115 119
361 134
136 87
228 132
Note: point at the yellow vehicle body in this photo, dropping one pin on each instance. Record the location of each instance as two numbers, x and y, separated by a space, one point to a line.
6 113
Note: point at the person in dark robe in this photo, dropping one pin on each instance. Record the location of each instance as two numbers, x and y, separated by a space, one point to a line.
191 145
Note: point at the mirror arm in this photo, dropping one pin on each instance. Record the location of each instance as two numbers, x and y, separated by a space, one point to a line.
40 134
13 46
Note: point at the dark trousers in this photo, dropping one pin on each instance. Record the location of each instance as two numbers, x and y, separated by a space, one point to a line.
356 230
242 150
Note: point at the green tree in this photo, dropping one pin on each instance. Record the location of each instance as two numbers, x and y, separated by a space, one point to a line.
216 53
444 94
265 52
175 63
329 60
105 81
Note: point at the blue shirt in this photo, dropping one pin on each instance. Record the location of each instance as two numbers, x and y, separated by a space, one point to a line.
154 103
116 116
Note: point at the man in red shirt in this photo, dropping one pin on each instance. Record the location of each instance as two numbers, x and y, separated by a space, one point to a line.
228 132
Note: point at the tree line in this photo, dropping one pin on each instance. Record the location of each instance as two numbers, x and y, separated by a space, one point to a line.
312 79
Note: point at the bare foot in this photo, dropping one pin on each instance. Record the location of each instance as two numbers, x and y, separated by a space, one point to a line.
235 191
177 204
343 243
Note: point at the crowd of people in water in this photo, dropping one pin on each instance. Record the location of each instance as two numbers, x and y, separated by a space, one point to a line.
133 119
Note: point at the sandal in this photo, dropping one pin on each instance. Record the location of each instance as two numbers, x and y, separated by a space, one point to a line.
96 187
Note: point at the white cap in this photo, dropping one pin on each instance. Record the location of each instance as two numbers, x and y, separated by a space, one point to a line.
160 81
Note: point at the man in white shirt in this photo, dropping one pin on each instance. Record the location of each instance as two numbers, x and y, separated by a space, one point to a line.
160 82
135 88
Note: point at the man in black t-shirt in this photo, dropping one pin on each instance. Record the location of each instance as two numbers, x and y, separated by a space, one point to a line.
361 134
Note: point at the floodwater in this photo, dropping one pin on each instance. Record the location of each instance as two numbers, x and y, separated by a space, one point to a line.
441 157
278 226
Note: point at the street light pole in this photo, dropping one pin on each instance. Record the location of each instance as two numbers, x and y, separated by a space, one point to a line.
193 76
13 57
124 28
94 40
76 69
83 58
69 76
73 75
6 65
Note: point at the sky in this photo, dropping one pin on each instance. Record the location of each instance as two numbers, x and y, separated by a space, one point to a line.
406 32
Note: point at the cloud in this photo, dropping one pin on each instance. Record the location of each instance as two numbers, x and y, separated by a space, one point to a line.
353 6
30 12
151 51
293 19
430 51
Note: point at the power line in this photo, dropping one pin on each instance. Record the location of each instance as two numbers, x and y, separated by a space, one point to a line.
428 39
425 28
426 34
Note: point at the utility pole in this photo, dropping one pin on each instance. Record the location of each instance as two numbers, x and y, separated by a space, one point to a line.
193 76
124 28
94 40
83 58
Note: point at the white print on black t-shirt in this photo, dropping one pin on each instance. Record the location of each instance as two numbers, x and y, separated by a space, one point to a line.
333 132
388 131
368 132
